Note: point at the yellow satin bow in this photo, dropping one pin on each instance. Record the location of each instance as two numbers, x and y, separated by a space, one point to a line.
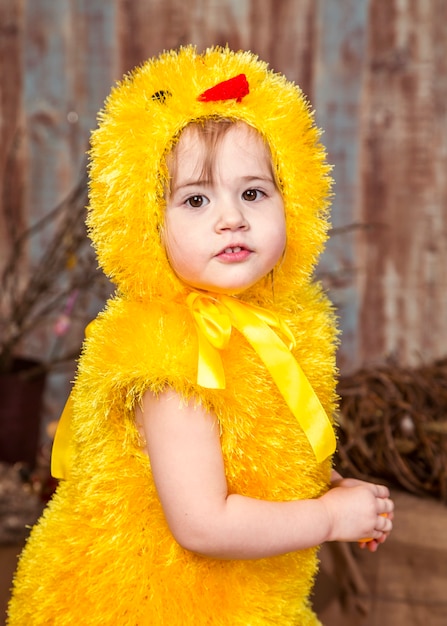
62 452
63 448
215 316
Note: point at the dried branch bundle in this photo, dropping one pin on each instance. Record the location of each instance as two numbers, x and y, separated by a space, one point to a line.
393 425
32 297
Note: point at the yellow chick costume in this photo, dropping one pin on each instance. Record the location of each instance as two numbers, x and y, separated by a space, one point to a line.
102 553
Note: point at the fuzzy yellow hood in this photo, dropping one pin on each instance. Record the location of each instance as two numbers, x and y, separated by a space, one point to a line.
141 121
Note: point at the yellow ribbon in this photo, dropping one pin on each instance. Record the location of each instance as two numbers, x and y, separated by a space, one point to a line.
63 448
62 452
215 316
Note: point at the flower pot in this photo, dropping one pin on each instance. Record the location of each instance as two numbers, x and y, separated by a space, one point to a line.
21 395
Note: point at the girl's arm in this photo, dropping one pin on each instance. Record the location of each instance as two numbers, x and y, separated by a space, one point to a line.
183 445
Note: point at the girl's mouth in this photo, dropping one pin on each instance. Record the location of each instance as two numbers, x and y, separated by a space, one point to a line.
234 254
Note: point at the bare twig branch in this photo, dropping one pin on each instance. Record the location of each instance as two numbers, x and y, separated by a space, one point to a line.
66 264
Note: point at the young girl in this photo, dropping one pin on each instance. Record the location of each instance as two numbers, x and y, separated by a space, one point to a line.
196 452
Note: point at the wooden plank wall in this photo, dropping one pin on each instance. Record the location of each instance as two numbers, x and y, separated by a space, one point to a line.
402 282
376 74
337 95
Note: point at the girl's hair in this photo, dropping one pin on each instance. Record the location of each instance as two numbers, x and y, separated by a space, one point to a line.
211 132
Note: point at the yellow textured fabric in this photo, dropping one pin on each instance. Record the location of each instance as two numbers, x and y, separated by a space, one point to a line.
102 553
215 316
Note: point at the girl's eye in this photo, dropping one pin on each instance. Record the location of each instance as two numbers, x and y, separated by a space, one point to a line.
196 201
252 194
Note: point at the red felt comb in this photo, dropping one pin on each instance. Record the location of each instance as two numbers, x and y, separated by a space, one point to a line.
234 88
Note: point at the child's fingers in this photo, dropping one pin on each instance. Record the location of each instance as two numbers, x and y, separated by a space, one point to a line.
381 491
384 525
385 506
372 544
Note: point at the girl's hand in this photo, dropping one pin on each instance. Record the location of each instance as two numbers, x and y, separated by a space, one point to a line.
356 509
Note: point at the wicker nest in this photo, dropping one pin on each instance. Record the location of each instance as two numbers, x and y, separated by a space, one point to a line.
393 426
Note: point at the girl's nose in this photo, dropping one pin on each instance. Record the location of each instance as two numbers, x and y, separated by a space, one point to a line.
231 218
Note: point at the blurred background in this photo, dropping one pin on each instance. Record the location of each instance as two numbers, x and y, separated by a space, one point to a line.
375 71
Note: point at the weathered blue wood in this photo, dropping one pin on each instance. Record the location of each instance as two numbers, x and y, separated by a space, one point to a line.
98 62
339 56
70 62
45 96
70 59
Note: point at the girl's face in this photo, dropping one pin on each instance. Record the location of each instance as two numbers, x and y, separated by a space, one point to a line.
224 232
